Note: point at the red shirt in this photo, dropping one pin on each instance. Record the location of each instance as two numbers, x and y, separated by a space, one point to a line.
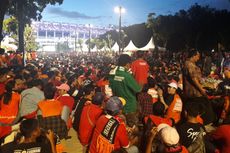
89 117
2 88
140 69
158 120
5 130
67 100
121 137
221 135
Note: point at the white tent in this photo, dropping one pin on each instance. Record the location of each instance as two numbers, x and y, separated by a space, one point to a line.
8 43
104 49
161 48
94 49
85 48
130 47
150 45
115 47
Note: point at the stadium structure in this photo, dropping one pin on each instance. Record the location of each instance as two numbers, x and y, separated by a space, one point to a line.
49 34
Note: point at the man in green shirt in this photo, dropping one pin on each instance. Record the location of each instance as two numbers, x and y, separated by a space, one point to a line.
124 85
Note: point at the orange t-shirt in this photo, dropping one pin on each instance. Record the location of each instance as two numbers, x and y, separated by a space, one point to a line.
50 107
175 109
8 112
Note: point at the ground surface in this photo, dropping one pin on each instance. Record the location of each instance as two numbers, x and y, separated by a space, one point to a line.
72 145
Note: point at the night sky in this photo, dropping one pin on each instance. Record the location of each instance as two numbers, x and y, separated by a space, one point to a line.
101 12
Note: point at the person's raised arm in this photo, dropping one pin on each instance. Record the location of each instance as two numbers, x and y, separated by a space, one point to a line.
50 136
150 140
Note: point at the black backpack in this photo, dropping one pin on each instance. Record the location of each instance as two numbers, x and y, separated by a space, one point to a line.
77 114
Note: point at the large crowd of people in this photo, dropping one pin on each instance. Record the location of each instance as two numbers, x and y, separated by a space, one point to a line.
147 102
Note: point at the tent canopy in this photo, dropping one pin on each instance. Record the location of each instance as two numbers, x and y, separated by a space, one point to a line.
8 44
115 47
150 45
130 47
94 49
104 48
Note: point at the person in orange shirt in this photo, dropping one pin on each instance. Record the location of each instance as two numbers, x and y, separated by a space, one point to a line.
173 102
51 110
140 69
9 104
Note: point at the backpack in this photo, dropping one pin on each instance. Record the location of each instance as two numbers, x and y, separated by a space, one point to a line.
77 114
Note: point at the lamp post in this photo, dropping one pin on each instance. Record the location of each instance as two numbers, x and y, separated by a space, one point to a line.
119 10
89 26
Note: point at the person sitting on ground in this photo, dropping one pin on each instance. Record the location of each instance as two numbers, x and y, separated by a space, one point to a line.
30 99
220 136
157 116
9 104
152 89
153 120
192 131
28 142
88 92
9 108
110 132
67 102
90 114
51 112
169 140
172 102
144 103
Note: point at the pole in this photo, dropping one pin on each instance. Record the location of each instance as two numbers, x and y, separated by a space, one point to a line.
120 29
21 27
75 41
89 38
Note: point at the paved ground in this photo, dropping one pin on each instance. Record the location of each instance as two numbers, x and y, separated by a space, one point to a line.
72 145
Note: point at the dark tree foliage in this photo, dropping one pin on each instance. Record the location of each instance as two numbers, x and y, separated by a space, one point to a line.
3 7
199 27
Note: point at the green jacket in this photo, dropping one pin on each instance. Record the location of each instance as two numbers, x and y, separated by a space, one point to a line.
124 85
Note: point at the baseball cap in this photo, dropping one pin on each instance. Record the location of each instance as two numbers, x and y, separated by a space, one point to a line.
98 98
161 126
114 105
168 135
173 84
123 101
63 86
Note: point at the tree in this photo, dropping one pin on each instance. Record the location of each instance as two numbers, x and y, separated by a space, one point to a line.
30 43
10 27
110 42
198 27
62 47
24 11
97 42
80 42
3 8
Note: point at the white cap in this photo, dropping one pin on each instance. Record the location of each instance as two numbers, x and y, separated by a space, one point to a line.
173 84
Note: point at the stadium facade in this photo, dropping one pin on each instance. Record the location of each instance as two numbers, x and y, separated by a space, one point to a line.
49 34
